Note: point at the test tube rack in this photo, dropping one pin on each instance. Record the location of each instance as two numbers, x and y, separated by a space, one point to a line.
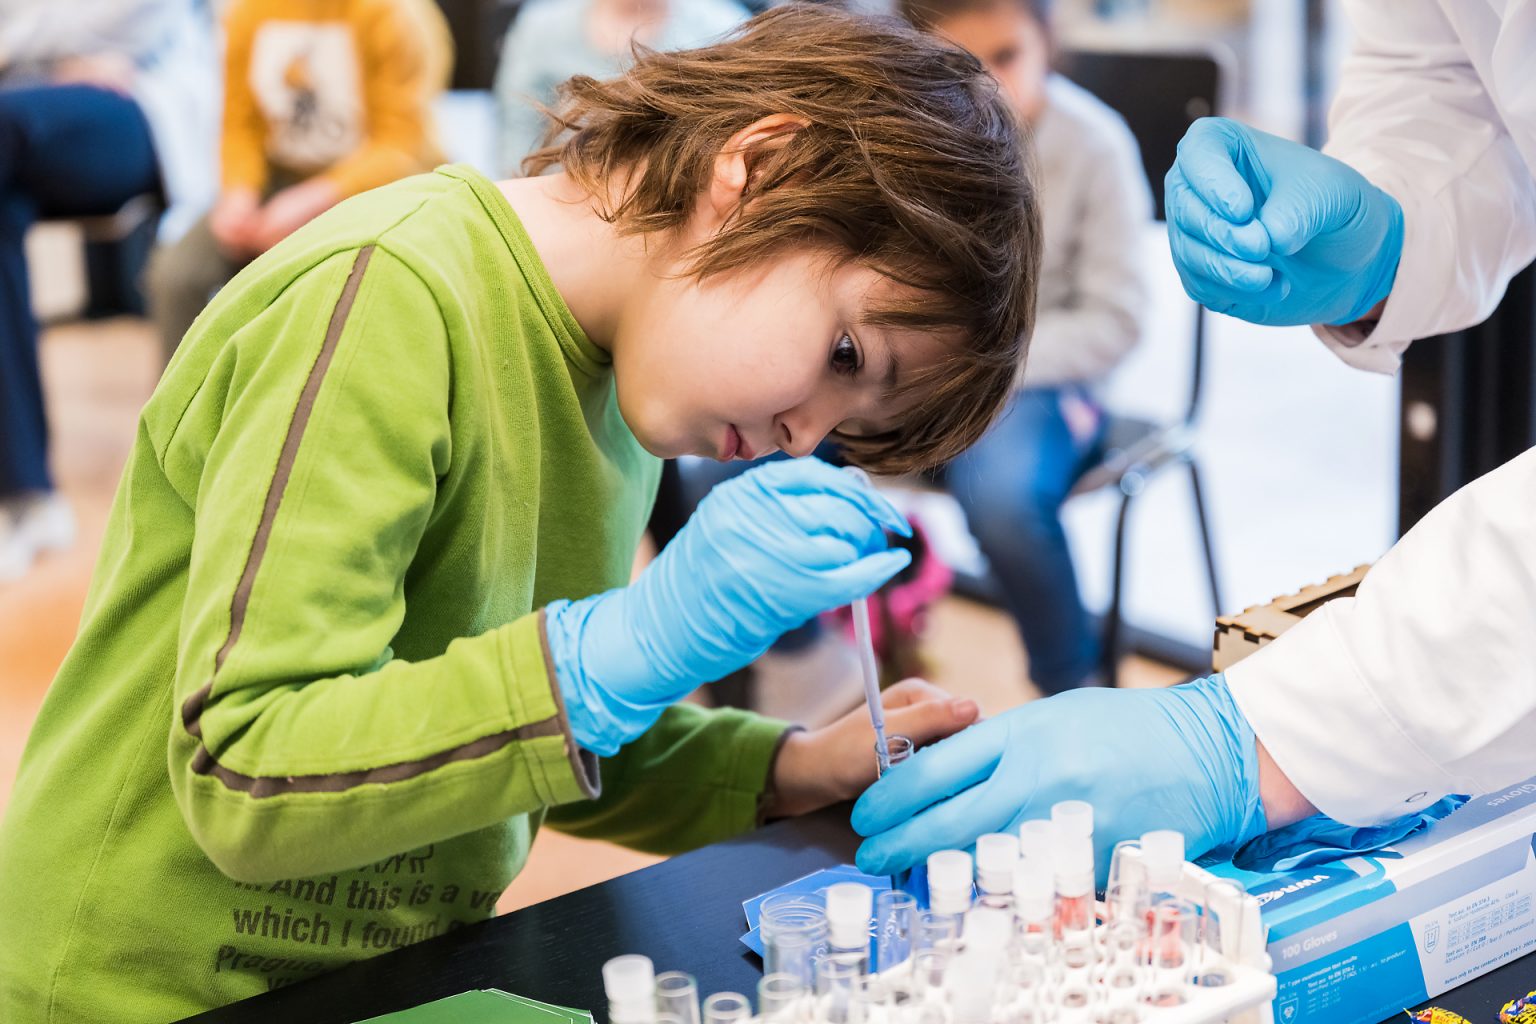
1227 980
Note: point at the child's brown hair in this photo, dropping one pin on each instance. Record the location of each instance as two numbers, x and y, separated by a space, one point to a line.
908 161
929 14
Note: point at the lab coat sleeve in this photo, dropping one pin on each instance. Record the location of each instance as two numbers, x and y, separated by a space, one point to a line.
1422 684
1412 115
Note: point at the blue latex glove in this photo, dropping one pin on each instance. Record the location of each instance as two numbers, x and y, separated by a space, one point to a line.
1183 758
1321 840
762 554
1273 232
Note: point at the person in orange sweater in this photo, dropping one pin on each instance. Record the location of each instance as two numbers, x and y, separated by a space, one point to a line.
323 99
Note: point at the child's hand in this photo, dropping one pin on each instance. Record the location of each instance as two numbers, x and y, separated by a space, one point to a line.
291 209
837 762
111 71
233 220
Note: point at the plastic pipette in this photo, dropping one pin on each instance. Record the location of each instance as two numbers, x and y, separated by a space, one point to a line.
861 634
866 643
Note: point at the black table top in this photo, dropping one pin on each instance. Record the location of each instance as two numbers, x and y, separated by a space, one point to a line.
684 913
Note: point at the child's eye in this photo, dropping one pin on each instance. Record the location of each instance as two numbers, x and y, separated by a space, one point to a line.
845 356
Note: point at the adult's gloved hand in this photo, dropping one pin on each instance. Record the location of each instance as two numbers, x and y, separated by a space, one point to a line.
1180 758
1321 840
762 554
1272 232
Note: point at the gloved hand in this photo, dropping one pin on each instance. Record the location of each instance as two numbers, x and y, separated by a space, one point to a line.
1272 232
1180 758
1321 840
762 554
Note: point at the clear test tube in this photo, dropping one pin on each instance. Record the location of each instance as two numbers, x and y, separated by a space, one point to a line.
727 1008
1034 912
950 878
677 994
895 928
1175 934
1025 996
936 933
1037 842
781 998
899 748
630 984
1162 858
996 855
794 931
1211 968
1126 873
836 982
850 906
1076 913
928 969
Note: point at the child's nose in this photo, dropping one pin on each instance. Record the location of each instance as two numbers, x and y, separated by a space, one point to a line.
799 433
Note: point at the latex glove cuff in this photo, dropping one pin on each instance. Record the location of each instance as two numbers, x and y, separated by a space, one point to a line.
600 719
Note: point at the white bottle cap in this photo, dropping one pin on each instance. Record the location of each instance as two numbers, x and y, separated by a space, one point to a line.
949 882
1074 867
971 983
1073 818
1037 841
850 905
996 854
1162 852
1034 891
630 982
988 929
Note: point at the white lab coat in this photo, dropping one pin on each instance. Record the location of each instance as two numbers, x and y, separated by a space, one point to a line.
1424 683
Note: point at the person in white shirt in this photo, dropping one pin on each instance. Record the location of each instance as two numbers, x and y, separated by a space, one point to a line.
1424 683
1095 207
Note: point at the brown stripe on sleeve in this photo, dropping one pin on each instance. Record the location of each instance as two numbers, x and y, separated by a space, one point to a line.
203 761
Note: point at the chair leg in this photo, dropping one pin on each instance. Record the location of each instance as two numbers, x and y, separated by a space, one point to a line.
1111 640
1205 535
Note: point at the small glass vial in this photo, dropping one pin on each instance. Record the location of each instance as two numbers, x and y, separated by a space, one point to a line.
950 877
996 855
849 909
898 747
630 983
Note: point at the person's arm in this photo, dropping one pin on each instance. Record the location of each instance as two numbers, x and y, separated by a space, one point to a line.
1087 337
243 135
1413 116
406 54
1422 684
298 742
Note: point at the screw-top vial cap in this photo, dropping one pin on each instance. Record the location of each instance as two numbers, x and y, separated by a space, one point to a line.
970 983
1037 841
1034 890
630 982
996 854
850 905
988 929
1162 854
949 882
1073 818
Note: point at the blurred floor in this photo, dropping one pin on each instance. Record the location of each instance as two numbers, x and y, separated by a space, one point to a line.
98 375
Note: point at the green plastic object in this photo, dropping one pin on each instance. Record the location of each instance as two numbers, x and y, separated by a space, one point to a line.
485 1006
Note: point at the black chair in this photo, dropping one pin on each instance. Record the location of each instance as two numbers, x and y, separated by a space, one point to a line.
1158 94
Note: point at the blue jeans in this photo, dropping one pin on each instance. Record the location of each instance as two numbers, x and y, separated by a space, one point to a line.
1012 484
65 151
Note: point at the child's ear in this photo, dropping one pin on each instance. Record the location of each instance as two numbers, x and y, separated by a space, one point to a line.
740 159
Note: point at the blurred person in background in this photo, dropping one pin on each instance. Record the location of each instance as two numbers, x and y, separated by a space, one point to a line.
553 40
100 102
323 99
1096 208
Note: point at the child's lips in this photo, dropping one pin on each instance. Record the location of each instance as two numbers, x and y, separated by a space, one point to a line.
736 446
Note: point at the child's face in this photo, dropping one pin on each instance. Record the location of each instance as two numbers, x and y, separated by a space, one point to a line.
1012 45
772 357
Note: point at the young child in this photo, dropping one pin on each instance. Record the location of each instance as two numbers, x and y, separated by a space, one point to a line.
323 99
1095 207
354 635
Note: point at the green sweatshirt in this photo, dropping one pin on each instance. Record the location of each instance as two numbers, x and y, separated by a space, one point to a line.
309 715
